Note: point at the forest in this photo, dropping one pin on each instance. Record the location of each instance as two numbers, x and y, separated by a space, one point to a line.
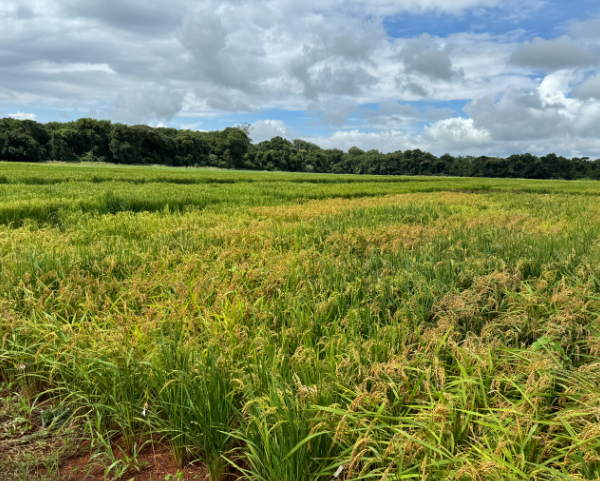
90 140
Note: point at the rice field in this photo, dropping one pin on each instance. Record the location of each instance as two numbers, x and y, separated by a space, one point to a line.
298 327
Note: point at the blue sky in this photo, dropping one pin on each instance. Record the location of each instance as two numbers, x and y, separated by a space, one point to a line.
488 77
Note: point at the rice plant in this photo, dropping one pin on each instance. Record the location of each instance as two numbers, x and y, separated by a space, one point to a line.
295 326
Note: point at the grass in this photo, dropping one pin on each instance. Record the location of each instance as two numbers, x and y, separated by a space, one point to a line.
302 327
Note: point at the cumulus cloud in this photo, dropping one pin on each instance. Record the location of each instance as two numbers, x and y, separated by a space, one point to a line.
549 55
73 67
457 133
429 57
182 62
545 113
388 7
151 102
589 89
394 115
230 55
267 129
144 17
542 120
588 29
335 112
517 115
23 116
384 141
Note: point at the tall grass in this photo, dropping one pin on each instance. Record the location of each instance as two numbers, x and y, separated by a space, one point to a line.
196 402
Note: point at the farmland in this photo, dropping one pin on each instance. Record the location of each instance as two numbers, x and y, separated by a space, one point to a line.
298 327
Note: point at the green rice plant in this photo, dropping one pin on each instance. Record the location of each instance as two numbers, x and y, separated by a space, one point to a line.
121 391
170 380
280 440
114 466
196 403
213 400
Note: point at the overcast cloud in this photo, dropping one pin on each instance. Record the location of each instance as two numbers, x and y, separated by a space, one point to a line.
466 76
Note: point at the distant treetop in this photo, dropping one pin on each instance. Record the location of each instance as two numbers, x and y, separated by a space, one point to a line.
93 140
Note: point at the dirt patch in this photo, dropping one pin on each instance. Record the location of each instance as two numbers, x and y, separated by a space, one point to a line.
30 451
155 464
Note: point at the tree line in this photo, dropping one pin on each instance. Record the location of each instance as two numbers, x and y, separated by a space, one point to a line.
104 141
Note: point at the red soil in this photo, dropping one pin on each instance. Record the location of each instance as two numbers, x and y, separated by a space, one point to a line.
158 463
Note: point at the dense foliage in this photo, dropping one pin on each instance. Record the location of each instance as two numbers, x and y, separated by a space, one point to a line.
103 141
294 327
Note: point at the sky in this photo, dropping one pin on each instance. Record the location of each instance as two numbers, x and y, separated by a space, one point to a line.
468 77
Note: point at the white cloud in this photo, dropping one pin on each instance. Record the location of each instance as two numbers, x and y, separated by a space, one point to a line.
588 29
429 57
151 102
393 115
589 89
240 55
454 7
549 55
545 113
76 67
384 141
23 116
267 129
141 63
157 125
539 121
193 126
456 134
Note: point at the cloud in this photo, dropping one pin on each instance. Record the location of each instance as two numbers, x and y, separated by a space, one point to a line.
23 116
546 113
540 121
411 87
77 67
137 15
456 134
150 103
391 114
550 55
335 112
517 116
192 126
267 129
455 7
228 56
384 141
588 29
589 89
337 59
214 57
428 56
